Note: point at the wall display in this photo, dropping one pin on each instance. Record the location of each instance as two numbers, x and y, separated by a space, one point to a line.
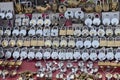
59 39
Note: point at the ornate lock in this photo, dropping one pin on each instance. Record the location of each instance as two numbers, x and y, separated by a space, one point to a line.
101 54
114 5
31 32
39 54
15 31
54 54
87 42
63 31
54 31
31 54
95 43
98 7
93 55
46 31
110 54
12 42
23 31
23 53
69 54
40 41
33 41
63 42
25 21
55 42
48 42
62 8
16 53
106 6
85 55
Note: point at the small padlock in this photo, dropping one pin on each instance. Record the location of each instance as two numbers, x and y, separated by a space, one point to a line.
9 14
110 54
1 32
110 42
101 31
33 22
18 21
106 21
85 31
71 42
41 42
54 31
88 21
7 32
115 20
106 6
31 32
19 42
47 22
70 31
47 53
96 20
117 31
93 32
62 54
23 31
117 42
103 42
16 53
117 54
54 54
48 42
40 22
63 31
26 42
77 54
114 5
33 41
93 55
77 31
85 55
79 14
63 42
98 7
79 43
15 31
69 14
8 53
109 31
4 42
62 8
55 42
12 42
23 53
95 42
87 42
25 21
101 54
31 54
2 14
69 54
46 31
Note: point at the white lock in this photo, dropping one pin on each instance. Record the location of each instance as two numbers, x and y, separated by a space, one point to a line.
8 54
114 21
33 22
69 55
54 31
47 22
95 43
109 32
1 32
15 32
39 31
110 55
71 43
117 54
96 21
93 55
88 22
54 55
9 15
23 54
85 31
62 55
38 56
40 22
101 56
79 14
46 31
63 43
31 55
79 43
68 14
87 43
8 32
25 21
23 32
77 55
16 54
101 32
85 56
81 64
31 32
46 55
48 43
106 21
77 32
117 31
18 21
2 15
93 32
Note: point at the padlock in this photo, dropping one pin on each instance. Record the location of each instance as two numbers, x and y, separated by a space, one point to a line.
23 31
69 54
63 31
33 41
39 54
117 42
70 31
26 42
55 42
55 20
106 6
39 31
47 54
46 31
47 22
62 8
108 76
85 31
110 42
31 32
16 53
87 42
95 42
88 21
117 31
110 54
48 42
18 21
77 54
106 20
19 42
62 20
40 42
1 32
8 53
79 43
54 54
54 31
79 15
98 7
12 42
25 21
103 42
85 55
63 42
9 14
93 55
62 54
71 42
93 32
68 14
33 22
117 54
1 54
4 42
115 20
2 14
28 7
23 53
89 7
101 54
77 31
40 22
7 32
31 54
96 20
15 31
114 5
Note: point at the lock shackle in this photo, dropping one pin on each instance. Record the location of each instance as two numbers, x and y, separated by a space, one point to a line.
98 2
93 50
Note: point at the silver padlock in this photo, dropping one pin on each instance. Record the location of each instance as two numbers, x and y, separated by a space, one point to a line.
39 54
47 54
16 53
117 54
46 31
102 54
95 42
110 54
69 54
87 42
93 55
85 55
77 54
62 54
68 14
7 32
33 22
8 53
9 14
79 42
23 53
25 21
2 14
15 31
54 54
79 14
31 32
54 31
39 31
88 21
23 31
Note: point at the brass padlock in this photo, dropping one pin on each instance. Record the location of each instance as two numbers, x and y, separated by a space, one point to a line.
70 31
40 42
89 7
110 42
18 8
103 42
19 43
33 41
114 5
26 42
98 7
62 31
62 8
106 6
5 43
12 42
117 41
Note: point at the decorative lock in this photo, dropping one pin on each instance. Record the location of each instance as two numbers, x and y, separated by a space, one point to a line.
70 31
71 42
101 31
62 54
95 43
48 42
2 14
39 54
69 54
101 54
98 6
77 31
33 22
106 6
110 42
26 42
77 54
16 53
55 42
15 31
85 55
33 41
31 54
12 42
117 41
54 54
40 41
9 14
54 31
63 42
68 14
31 32
85 31
63 31
47 53
87 43
93 55
23 54
23 31
110 54
46 31
25 21
4 42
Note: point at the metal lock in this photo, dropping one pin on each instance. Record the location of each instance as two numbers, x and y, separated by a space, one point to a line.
109 76
77 54
69 14
71 42
16 53
109 31
25 21
47 53
88 21
39 54
117 41
9 14
117 54
19 42
85 55
23 31
4 42
55 42
31 32
106 20
33 22
40 41
31 54
110 42
115 20
26 42
28 7
93 55
54 31
62 20
79 14
55 19
85 31
39 31
79 42
95 42
117 31
62 54
12 42
63 31
93 32
90 64
33 41
63 42
70 31
62 8
69 54
48 42
103 42
23 53
101 54
101 31
106 6
15 31
8 53
18 21
110 54
1 32
47 22
96 20
40 22
46 31
77 31
2 14
7 32
114 5
54 54
87 42
98 6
